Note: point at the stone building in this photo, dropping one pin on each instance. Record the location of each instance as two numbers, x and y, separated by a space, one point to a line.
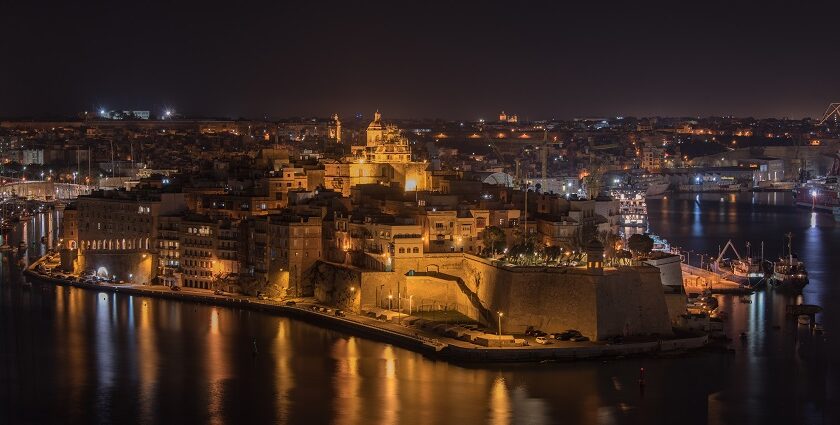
281 248
384 159
116 232
208 252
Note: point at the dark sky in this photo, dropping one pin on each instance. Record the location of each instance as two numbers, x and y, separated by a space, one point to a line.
452 59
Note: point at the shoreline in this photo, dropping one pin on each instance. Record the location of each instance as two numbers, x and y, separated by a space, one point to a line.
430 345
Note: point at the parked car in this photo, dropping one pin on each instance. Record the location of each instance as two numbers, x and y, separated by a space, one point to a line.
218 292
580 338
262 297
568 334
175 288
543 340
340 313
539 333
290 303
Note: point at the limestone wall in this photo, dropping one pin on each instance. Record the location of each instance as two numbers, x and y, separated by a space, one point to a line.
624 301
632 302
128 266
669 268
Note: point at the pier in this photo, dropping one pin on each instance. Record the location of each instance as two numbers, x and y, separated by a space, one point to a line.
698 280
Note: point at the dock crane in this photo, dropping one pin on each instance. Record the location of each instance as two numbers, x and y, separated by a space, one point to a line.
723 251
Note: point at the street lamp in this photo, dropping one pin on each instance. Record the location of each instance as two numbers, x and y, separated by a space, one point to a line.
390 298
500 328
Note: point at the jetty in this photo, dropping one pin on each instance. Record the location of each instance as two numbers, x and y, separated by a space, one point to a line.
698 280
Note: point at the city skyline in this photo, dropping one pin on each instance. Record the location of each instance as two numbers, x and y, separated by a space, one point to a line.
419 212
462 61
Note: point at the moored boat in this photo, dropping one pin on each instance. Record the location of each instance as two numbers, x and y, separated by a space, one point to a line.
789 273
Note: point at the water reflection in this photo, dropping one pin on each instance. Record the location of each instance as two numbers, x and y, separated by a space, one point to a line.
83 356
500 410
147 358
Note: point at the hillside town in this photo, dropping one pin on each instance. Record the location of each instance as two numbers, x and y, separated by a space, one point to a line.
475 218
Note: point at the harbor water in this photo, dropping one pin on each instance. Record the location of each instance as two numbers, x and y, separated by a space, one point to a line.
75 356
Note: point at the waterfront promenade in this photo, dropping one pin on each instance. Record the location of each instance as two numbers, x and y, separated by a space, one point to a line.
398 332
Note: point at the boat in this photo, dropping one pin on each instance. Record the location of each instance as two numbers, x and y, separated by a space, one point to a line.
657 188
775 186
789 273
632 210
822 194
749 270
649 184
836 212
746 271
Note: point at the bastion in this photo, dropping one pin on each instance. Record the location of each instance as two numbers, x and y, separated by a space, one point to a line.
599 302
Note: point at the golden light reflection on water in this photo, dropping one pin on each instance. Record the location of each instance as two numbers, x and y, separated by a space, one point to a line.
148 359
347 380
389 394
282 352
216 368
76 322
500 410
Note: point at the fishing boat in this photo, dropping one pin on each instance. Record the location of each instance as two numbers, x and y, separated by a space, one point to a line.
789 273
750 270
747 271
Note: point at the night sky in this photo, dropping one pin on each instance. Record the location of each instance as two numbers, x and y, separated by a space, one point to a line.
453 59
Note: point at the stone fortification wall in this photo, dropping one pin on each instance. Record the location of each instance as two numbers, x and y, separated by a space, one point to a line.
120 264
619 302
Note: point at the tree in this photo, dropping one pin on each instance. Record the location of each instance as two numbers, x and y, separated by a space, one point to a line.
640 244
494 238
552 253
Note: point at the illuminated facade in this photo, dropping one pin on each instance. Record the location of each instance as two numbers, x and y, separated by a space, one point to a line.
281 248
384 159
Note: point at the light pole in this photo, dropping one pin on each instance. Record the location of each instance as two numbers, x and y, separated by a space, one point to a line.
500 328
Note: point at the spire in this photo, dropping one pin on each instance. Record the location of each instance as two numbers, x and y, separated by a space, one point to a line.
377 116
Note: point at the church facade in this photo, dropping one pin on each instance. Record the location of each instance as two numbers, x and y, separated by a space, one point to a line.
384 159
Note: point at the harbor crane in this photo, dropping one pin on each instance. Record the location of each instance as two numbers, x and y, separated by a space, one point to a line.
833 110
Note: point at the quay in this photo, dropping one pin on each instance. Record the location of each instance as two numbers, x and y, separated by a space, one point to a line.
698 280
422 341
